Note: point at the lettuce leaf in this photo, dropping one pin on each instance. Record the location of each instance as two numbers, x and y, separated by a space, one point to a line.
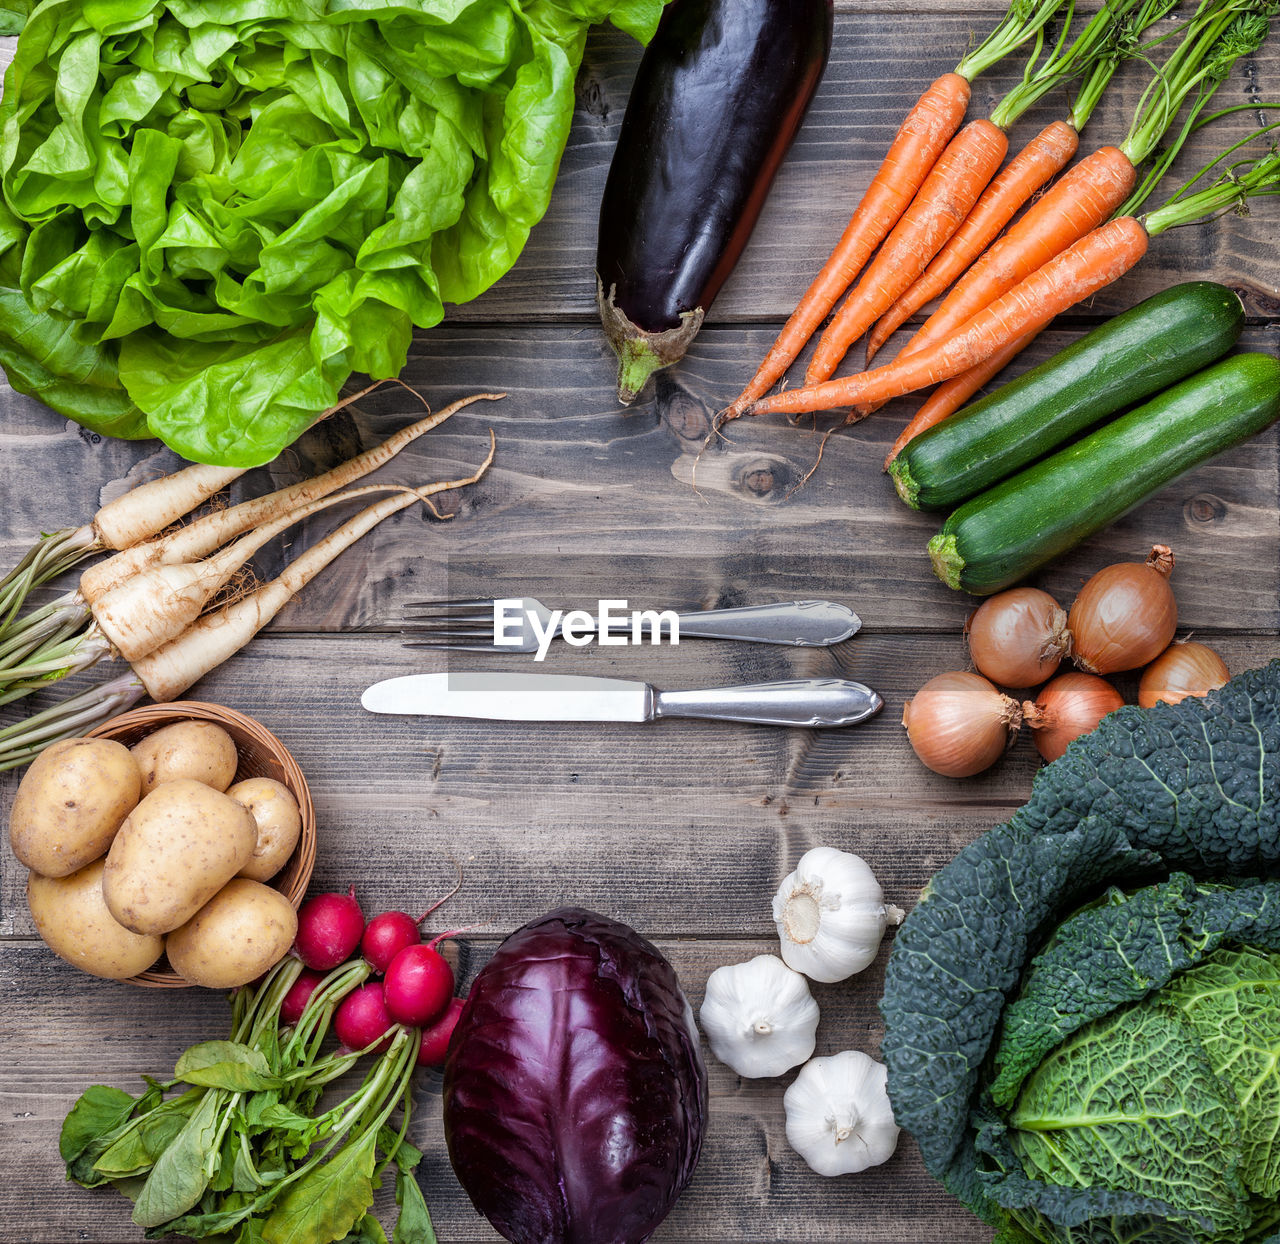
213 213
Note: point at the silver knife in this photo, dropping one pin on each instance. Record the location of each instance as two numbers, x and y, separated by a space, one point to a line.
574 697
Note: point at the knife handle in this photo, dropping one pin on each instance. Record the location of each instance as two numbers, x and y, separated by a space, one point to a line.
802 623
796 702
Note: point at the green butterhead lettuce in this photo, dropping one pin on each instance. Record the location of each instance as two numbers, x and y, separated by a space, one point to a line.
214 211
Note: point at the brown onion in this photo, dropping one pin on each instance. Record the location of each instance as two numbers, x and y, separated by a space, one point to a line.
1183 669
1069 706
959 724
1018 637
1125 615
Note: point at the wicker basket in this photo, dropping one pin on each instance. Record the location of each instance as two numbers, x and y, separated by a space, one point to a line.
261 755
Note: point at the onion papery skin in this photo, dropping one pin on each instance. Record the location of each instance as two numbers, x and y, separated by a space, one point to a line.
1182 669
1018 638
1067 707
1125 616
959 724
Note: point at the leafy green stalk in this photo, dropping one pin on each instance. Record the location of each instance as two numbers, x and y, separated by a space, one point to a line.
1126 44
23 741
1240 182
1244 35
69 650
241 1150
58 619
1220 32
50 556
1107 37
304 1044
1024 19
1187 186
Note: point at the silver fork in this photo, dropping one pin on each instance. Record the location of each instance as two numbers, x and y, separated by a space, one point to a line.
466 625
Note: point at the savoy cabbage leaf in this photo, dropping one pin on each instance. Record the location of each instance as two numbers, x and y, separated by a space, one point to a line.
1232 1001
1130 1102
1118 950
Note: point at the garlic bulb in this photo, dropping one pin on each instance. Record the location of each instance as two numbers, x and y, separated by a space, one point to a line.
831 915
759 1016
838 1114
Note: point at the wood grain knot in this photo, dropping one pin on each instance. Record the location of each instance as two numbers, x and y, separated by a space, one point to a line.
1258 300
765 479
1205 508
591 98
688 419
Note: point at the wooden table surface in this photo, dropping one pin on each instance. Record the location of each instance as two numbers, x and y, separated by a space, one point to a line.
681 829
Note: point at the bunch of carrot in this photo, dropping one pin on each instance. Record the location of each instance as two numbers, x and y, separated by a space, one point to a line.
1081 235
149 602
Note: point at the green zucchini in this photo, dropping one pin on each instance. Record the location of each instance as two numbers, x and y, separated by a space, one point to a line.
1001 535
1122 362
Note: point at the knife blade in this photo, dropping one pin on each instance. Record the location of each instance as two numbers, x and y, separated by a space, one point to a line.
815 702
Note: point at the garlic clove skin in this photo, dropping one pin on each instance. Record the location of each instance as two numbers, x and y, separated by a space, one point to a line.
759 1017
838 1114
831 915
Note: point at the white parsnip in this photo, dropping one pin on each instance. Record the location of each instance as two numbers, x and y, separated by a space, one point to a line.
123 523
171 669
151 608
151 507
199 539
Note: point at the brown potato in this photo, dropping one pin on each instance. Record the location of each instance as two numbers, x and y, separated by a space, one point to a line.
71 802
199 750
235 937
71 916
174 852
275 811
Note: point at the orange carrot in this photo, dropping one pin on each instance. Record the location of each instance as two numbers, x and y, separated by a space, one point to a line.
1078 202
919 141
949 396
1097 259
937 211
1214 38
1046 155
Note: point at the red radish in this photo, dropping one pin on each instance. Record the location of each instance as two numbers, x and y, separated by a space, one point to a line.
435 1039
295 1001
385 936
418 984
361 1018
329 929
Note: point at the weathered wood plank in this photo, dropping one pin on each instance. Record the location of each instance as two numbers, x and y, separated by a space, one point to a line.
62 1034
584 499
683 828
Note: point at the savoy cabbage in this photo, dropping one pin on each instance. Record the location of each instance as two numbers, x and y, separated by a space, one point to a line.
1083 1010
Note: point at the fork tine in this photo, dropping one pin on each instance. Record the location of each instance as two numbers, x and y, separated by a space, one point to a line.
456 603
452 647
450 632
450 619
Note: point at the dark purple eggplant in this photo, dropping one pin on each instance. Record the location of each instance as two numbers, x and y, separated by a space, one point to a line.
719 95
